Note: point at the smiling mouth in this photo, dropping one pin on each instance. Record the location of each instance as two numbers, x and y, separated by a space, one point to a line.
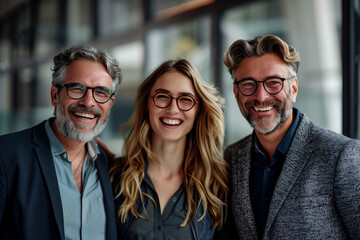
84 115
263 109
171 122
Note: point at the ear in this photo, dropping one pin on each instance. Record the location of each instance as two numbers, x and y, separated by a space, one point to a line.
54 95
236 92
294 90
112 101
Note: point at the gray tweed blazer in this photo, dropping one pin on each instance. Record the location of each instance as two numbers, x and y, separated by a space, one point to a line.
317 195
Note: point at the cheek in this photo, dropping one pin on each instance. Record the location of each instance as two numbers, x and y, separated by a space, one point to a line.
152 112
242 100
192 115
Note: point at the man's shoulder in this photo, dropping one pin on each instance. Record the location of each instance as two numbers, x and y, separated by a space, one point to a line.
20 137
323 134
240 143
321 137
25 131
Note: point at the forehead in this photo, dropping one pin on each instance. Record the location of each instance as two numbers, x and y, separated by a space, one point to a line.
261 67
175 82
90 73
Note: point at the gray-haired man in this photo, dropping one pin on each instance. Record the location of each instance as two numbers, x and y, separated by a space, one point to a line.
54 181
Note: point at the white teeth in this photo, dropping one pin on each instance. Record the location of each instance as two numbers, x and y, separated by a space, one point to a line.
85 115
263 109
171 121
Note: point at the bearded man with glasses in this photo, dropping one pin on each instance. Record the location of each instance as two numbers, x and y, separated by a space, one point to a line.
290 178
54 181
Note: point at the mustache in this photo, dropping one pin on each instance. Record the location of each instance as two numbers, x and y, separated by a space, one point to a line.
82 108
265 103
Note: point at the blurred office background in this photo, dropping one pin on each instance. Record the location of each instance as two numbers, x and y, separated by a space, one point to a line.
143 33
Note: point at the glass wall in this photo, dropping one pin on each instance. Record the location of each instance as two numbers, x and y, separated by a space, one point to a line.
190 40
5 102
142 36
79 19
46 27
131 59
116 16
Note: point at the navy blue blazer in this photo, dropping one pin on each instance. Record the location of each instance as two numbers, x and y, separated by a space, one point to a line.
30 204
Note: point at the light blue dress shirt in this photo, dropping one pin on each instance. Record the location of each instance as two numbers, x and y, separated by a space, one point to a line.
84 213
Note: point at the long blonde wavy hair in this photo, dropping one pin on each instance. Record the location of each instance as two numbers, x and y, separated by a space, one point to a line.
205 171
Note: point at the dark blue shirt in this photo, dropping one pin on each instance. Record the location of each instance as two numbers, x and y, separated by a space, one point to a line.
264 173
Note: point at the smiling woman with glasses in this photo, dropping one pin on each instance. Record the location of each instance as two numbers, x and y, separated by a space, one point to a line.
172 177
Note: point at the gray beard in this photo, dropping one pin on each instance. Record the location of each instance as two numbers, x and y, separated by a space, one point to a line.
284 111
281 117
68 129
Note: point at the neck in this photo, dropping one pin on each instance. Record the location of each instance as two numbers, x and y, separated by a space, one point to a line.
270 141
170 155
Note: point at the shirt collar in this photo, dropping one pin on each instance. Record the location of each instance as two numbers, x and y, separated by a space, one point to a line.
58 149
286 141
284 145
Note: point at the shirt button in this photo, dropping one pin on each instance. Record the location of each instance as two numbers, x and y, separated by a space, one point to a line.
174 199
64 155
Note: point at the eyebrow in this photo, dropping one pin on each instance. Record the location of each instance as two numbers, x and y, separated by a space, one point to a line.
268 77
180 93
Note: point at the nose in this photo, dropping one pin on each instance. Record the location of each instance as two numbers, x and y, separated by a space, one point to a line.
173 107
261 94
88 99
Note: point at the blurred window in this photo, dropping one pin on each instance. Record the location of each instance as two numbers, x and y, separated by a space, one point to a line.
24 93
5 45
22 35
190 40
79 21
46 27
44 78
5 102
116 16
131 59
5 97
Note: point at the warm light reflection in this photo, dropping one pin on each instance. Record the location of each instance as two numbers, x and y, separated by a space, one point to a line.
181 8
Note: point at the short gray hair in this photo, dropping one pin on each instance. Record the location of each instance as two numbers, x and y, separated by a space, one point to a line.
67 56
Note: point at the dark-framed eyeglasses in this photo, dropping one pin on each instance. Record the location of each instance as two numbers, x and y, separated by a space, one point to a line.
78 91
272 85
184 102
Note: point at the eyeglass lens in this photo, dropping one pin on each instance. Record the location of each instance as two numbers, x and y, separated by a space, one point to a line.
100 94
163 100
271 85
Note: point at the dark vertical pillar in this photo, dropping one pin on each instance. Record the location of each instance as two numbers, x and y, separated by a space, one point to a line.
350 83
62 23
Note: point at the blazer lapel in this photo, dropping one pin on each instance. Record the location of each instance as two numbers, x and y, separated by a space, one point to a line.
241 179
295 161
46 162
108 197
